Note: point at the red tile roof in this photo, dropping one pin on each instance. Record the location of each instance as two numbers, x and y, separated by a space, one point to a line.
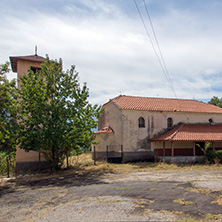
192 132
31 58
163 104
107 130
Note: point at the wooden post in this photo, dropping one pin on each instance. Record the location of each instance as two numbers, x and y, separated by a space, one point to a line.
213 144
7 160
122 153
94 154
67 159
172 148
164 148
194 148
107 153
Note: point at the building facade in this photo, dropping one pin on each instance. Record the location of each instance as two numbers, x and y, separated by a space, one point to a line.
141 128
27 160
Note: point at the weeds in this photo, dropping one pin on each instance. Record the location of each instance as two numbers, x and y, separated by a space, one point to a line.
215 217
183 202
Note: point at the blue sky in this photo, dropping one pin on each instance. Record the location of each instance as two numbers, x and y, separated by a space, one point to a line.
107 43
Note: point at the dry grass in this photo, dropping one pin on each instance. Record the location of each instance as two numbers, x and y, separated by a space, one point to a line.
214 217
83 164
218 198
183 202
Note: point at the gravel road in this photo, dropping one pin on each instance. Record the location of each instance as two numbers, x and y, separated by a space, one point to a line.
136 196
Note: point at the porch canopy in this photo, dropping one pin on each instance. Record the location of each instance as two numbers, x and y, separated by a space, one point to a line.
191 133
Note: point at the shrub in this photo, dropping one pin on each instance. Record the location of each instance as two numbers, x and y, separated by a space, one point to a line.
214 155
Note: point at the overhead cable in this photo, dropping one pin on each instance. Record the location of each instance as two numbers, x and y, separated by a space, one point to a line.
160 55
158 46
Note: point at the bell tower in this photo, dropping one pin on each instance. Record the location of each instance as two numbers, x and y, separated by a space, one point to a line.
31 160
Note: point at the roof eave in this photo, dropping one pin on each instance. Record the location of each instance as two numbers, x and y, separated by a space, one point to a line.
14 60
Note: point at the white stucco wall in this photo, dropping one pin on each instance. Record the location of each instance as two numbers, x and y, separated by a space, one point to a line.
112 117
21 155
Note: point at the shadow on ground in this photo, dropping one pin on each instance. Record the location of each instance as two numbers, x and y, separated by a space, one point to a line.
63 178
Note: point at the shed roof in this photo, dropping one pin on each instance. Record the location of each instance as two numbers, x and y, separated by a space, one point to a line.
163 104
192 132
30 58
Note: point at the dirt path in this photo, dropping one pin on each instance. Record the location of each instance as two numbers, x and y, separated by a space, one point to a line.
137 196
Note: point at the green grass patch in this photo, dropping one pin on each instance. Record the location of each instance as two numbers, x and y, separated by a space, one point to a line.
125 188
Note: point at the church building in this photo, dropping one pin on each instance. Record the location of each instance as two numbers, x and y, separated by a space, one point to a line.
142 128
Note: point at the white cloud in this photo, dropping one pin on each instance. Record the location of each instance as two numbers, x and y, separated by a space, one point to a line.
112 52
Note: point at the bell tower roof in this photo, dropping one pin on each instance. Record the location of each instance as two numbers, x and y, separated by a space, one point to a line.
29 58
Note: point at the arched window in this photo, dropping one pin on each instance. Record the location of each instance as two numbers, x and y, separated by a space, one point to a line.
141 122
169 122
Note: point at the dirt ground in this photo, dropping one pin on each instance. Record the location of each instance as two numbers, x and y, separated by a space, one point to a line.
116 193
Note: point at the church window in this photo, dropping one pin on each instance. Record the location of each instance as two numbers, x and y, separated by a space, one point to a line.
169 122
141 122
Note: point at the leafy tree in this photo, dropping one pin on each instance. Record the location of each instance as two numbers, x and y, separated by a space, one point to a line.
55 117
216 101
8 111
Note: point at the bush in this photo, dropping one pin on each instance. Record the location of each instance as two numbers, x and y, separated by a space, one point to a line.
214 155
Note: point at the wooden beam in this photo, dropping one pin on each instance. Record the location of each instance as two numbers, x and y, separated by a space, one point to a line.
213 144
172 148
194 148
164 148
107 153
122 153
94 154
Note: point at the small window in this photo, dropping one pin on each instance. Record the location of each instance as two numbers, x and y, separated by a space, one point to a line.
169 123
211 122
141 122
35 69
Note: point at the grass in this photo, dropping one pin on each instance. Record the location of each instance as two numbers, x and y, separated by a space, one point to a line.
125 188
218 198
83 164
183 202
154 188
214 217
106 200
84 161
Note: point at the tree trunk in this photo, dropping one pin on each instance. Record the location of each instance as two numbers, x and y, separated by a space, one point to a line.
53 159
7 160
67 159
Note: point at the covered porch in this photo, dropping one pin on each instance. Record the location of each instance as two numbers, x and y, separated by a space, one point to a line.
182 141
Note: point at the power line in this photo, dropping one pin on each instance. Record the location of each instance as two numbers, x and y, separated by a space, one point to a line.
158 46
159 58
161 61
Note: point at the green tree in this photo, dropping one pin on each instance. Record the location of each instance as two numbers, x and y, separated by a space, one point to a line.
216 101
55 116
8 111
